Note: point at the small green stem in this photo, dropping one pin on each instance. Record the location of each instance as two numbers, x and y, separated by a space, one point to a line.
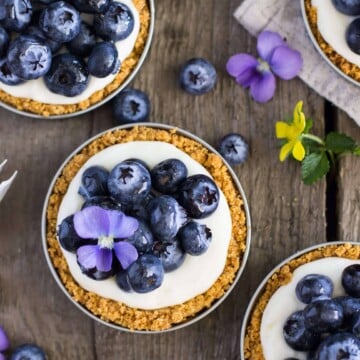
313 138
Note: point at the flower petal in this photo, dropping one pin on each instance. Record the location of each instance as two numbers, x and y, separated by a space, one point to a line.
299 117
126 253
263 89
87 256
247 77
298 151
266 43
104 259
282 130
285 62
4 340
120 225
285 150
2 356
91 222
239 63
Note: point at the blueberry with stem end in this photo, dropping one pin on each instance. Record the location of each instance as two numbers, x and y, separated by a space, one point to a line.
195 238
234 148
15 15
28 351
171 254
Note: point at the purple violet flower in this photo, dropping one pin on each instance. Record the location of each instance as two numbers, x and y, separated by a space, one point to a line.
95 222
275 57
4 340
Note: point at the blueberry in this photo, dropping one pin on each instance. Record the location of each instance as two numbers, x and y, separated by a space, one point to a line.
15 15
60 21
122 281
103 60
234 148
348 7
28 58
28 352
350 306
350 280
116 23
91 6
131 106
195 238
104 202
297 336
145 274
6 76
339 346
353 36
68 237
355 324
142 238
83 43
197 76
323 316
171 254
129 182
4 41
139 209
68 75
94 182
312 287
37 33
167 175
166 217
199 195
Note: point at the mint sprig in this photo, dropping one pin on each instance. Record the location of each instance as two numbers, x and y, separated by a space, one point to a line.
314 166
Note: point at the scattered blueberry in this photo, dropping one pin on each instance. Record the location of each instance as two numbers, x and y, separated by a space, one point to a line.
168 175
60 21
348 7
234 148
339 346
199 195
15 15
129 182
171 254
122 281
68 237
4 41
68 75
350 280
91 6
313 287
28 352
195 238
27 58
353 36
166 217
94 182
6 76
116 23
142 238
145 274
104 202
197 76
131 106
323 316
297 336
103 59
83 43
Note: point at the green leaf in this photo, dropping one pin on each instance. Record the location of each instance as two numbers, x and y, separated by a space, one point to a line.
357 151
314 166
339 143
308 126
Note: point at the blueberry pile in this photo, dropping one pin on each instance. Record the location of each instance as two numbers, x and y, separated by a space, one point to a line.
165 201
328 328
52 40
351 8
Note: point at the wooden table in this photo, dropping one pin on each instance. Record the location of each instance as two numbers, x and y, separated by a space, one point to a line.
286 214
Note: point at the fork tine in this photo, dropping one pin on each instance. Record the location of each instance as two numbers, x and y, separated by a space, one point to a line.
2 165
5 185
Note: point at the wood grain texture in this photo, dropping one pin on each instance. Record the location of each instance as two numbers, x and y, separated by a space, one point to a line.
286 215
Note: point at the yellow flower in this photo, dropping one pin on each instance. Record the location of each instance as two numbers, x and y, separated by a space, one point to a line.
292 133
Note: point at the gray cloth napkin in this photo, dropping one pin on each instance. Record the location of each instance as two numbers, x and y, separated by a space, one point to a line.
284 17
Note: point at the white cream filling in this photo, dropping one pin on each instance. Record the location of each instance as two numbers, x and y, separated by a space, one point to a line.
332 25
284 302
196 275
37 90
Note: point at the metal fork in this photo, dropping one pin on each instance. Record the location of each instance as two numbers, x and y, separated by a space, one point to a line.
5 185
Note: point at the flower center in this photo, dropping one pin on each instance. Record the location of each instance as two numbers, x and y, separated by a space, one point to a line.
262 66
106 242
